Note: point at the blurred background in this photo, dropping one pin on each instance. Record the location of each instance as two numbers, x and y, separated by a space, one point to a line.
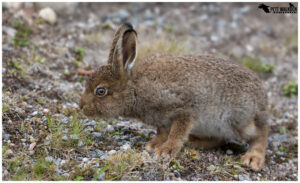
48 49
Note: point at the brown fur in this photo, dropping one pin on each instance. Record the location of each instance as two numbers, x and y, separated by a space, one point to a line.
201 96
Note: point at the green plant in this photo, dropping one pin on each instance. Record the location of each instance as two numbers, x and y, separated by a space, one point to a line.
257 65
22 126
5 108
169 27
41 101
16 67
78 178
283 149
178 166
100 172
80 51
4 149
290 89
78 63
282 130
22 35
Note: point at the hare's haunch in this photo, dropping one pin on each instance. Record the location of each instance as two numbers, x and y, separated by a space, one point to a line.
199 99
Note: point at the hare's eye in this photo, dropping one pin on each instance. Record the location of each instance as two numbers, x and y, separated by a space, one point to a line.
101 91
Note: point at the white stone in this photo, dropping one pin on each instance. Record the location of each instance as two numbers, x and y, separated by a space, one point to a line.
48 15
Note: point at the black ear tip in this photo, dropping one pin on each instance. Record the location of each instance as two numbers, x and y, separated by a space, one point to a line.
128 25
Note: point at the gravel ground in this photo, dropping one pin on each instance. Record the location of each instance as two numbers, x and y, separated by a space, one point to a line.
46 137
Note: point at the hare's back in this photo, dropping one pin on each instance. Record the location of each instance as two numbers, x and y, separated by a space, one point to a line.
202 77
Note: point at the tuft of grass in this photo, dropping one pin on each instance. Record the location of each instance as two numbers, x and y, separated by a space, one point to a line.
4 149
22 35
16 67
283 149
122 163
42 170
97 174
290 89
5 108
257 65
169 27
80 51
177 165
41 101
162 45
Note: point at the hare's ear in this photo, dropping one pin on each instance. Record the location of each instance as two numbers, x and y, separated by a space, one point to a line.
124 51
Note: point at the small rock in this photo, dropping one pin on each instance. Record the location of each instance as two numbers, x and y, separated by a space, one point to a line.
6 136
93 154
91 123
96 134
99 153
31 152
9 152
11 32
48 15
101 176
65 175
148 14
80 144
109 128
34 113
211 168
64 119
64 138
45 110
243 177
125 147
85 160
31 146
112 152
63 162
49 159
5 173
214 38
229 152
57 162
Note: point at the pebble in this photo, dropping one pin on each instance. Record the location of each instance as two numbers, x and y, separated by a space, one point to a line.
229 152
48 15
99 152
101 176
111 152
6 136
34 113
9 152
45 110
49 159
92 123
31 152
211 168
243 177
96 134
109 128
80 144
85 160
31 146
57 162
125 147
64 119
64 138
5 173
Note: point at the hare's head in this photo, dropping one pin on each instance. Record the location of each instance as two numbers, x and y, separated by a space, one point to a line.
106 93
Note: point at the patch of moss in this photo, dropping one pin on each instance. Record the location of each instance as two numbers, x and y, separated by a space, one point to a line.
290 89
257 65
22 35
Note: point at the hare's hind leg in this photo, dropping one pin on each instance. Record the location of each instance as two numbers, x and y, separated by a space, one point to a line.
255 156
204 143
161 137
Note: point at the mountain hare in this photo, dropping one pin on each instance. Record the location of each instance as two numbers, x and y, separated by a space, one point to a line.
202 100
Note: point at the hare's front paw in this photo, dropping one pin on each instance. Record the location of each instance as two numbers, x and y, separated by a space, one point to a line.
154 143
254 160
169 148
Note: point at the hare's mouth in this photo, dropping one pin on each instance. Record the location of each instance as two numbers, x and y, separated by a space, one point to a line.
88 111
